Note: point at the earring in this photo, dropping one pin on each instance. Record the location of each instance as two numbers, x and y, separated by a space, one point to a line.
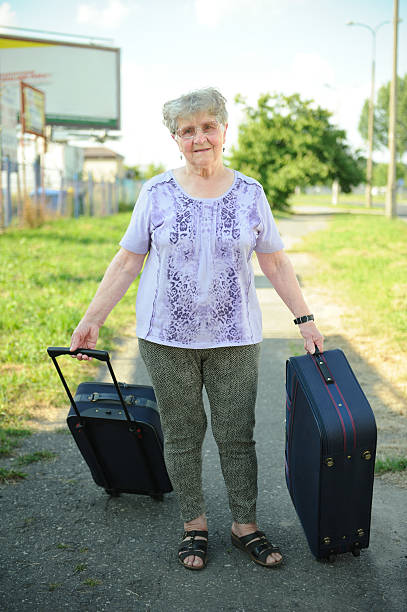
223 149
180 156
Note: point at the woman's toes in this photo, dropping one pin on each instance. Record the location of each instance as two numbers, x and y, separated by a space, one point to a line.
193 561
274 558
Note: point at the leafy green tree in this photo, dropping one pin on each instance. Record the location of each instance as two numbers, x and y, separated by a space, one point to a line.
152 170
139 174
287 142
133 172
381 118
380 174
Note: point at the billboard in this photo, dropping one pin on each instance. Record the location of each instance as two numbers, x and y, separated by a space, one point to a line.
81 82
9 107
32 110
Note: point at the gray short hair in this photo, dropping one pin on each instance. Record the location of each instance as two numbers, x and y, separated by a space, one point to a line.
201 100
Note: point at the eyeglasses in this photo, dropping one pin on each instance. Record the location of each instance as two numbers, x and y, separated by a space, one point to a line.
207 129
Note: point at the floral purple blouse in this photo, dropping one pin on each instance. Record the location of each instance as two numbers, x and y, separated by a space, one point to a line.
197 287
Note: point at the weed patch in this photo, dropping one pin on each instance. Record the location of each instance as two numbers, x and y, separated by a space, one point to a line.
9 476
10 439
37 456
91 582
395 464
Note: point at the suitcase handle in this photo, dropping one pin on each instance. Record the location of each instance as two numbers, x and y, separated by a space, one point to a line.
323 368
56 351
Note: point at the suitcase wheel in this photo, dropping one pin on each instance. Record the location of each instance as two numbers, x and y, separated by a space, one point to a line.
331 558
356 552
158 497
113 492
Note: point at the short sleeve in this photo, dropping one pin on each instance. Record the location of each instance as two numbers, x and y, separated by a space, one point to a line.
268 237
138 234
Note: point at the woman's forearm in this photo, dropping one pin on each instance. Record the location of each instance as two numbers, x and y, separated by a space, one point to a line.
120 274
278 268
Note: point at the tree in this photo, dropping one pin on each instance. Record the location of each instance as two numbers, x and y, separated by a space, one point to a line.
139 174
152 170
286 142
381 118
133 172
380 172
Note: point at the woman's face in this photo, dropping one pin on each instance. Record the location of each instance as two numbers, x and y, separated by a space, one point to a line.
200 139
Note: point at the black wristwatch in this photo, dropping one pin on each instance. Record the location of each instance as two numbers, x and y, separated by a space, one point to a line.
303 319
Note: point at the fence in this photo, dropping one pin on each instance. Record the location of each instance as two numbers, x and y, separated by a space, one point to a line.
29 192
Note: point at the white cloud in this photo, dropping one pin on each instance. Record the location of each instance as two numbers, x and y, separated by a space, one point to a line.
7 16
111 16
212 13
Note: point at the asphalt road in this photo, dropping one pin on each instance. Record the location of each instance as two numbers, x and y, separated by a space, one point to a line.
66 545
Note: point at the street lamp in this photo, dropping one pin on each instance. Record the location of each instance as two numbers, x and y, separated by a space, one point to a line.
369 166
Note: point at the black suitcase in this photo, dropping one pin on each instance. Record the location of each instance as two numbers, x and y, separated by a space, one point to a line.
117 429
330 453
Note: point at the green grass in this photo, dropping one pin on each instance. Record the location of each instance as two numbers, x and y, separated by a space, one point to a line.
91 582
363 259
392 464
47 278
8 476
10 438
345 200
34 457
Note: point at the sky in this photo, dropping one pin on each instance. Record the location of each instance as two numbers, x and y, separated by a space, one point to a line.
247 47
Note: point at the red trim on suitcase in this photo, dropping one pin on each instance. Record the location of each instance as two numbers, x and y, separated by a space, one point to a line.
335 404
346 406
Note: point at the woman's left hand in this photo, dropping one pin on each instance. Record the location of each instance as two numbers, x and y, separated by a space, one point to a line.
312 336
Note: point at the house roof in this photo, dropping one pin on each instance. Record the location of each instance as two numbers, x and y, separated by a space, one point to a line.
101 153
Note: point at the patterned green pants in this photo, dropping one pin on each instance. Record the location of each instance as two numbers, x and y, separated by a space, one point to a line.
229 375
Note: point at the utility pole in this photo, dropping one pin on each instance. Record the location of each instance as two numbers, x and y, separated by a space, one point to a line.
370 131
390 209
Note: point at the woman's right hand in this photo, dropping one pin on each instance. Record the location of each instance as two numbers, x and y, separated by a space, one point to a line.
85 336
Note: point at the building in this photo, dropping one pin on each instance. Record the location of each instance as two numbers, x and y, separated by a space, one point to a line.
103 164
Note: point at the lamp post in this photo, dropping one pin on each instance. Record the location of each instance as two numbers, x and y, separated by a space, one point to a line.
370 129
390 207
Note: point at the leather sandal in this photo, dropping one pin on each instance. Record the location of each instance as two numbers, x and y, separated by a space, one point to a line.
192 547
257 547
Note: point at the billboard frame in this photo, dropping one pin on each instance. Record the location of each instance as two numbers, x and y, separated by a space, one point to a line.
26 130
78 124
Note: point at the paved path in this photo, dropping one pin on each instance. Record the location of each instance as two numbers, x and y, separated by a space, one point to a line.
65 545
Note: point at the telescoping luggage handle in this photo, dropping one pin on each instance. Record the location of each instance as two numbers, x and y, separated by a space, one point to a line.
56 351
323 368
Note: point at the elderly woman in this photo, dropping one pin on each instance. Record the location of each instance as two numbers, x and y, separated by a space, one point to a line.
198 318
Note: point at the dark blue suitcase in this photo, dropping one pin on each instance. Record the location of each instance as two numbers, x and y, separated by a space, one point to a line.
330 453
118 431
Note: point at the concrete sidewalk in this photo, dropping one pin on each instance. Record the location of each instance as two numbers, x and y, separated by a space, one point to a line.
66 545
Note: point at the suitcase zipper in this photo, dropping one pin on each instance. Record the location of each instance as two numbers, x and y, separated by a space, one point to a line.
319 421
